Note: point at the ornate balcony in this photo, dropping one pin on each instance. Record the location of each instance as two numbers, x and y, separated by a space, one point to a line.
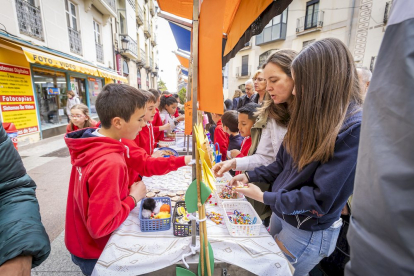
142 58
132 3
99 53
147 30
75 41
30 19
129 46
307 24
139 14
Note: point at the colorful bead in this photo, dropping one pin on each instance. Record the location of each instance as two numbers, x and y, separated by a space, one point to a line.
240 218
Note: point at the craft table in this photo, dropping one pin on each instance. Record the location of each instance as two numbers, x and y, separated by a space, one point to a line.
132 252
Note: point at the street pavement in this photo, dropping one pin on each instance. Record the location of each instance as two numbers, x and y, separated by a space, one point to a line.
48 163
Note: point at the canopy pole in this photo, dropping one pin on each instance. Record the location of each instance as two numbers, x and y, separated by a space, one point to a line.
196 121
194 81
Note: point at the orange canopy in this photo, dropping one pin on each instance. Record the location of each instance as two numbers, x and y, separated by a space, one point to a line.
232 17
183 61
210 85
239 16
181 8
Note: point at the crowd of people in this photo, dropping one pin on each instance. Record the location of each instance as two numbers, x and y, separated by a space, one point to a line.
293 138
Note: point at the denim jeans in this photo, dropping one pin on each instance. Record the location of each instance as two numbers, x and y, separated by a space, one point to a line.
86 265
307 248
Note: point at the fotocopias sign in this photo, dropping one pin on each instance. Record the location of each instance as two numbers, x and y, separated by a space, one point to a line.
17 100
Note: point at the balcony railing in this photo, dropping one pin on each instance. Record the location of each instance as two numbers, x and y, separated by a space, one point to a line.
142 57
310 23
75 41
99 53
147 31
139 14
112 4
131 48
30 19
243 71
132 3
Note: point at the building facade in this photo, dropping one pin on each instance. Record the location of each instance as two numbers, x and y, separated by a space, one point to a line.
48 47
360 24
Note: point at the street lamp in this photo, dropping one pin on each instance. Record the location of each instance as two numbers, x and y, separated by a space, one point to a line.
125 43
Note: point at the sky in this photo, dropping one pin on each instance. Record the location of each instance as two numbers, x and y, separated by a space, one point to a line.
167 60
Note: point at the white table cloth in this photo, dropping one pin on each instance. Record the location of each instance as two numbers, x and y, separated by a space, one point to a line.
132 252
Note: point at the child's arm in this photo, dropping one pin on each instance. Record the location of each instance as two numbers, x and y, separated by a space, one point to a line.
107 209
164 127
148 166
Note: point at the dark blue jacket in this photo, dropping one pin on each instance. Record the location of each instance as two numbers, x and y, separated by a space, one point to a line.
313 198
235 142
21 229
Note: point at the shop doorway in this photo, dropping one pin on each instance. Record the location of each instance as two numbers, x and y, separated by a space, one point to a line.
78 85
51 90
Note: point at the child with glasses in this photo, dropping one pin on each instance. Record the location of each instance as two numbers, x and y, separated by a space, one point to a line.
79 118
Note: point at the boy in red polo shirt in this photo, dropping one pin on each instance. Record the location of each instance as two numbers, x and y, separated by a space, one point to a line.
246 120
100 196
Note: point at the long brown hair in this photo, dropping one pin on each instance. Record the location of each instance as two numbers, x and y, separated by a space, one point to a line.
237 93
280 112
326 82
85 111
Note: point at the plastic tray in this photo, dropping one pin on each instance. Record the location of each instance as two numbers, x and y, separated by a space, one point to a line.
181 230
153 225
241 230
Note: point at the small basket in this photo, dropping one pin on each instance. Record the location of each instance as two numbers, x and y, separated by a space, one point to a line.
181 230
153 225
241 230
219 199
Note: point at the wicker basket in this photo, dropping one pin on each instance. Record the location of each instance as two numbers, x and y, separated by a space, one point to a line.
241 230
153 225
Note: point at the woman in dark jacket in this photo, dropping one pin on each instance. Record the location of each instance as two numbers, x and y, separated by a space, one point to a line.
24 243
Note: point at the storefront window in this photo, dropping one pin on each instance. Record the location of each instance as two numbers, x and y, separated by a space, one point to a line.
95 86
51 90
78 86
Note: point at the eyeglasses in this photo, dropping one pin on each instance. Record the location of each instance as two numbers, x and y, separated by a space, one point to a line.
259 79
76 116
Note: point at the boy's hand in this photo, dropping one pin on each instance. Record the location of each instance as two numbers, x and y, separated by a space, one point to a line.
158 153
180 118
234 153
239 178
188 159
220 168
251 191
138 190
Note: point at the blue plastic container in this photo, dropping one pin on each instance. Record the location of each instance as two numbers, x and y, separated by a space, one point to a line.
154 225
